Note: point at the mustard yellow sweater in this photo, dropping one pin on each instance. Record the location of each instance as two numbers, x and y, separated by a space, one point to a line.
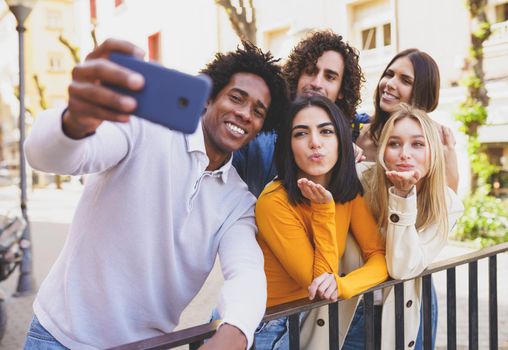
302 242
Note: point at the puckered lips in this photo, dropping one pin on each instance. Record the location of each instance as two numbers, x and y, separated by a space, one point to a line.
404 167
316 157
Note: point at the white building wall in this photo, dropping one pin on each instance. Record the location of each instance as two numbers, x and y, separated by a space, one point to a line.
192 31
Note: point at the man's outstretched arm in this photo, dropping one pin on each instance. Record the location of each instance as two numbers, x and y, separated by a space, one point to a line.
242 302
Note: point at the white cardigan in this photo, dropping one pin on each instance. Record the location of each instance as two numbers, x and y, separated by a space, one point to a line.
408 253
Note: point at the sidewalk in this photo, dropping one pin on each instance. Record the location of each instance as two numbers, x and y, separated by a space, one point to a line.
51 211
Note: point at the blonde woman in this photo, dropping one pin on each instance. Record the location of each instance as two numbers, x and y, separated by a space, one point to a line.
407 194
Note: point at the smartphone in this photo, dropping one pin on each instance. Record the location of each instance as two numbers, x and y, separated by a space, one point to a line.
170 98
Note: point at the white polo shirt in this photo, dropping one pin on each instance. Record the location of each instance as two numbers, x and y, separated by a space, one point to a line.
145 234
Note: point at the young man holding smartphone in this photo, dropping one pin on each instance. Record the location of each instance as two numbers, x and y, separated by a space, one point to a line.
157 208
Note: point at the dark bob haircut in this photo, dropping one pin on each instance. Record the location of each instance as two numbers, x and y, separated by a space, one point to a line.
344 183
307 52
425 93
251 59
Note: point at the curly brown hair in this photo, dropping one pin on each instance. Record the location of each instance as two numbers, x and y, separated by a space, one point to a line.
309 50
253 60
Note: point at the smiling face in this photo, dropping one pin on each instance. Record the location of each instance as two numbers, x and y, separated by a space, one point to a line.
314 144
406 148
236 115
325 78
396 85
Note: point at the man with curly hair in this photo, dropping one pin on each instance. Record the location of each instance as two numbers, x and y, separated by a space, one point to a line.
157 208
323 64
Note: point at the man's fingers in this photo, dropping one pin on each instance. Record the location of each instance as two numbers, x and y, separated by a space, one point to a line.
102 97
81 111
117 45
107 72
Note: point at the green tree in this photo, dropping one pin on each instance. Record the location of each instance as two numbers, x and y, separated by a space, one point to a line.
473 111
485 217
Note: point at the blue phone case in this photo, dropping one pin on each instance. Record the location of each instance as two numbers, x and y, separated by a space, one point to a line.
169 97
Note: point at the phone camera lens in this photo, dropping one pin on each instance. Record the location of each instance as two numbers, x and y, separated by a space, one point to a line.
183 102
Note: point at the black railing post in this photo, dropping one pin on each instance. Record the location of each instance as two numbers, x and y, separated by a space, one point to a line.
493 302
368 316
294 331
333 325
473 305
427 312
451 310
399 316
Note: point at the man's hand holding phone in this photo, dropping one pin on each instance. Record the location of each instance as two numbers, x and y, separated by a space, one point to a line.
115 82
90 103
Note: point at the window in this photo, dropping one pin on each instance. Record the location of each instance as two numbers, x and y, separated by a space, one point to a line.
154 50
369 35
278 41
369 38
54 19
371 25
55 61
387 34
502 13
93 11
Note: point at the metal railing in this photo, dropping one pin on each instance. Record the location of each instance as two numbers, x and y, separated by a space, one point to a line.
195 336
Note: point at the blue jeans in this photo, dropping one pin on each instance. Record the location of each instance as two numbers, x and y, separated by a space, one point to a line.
39 338
434 313
271 335
355 339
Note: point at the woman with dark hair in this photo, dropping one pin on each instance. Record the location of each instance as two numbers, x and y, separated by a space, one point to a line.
305 214
411 77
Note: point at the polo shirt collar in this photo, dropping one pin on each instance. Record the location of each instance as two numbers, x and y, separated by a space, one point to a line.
196 143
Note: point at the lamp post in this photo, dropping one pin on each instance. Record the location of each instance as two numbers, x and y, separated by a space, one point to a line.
26 282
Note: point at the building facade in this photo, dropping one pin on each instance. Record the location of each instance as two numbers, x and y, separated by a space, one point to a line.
185 35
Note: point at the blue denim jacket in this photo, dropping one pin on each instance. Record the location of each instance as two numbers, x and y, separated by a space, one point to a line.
255 162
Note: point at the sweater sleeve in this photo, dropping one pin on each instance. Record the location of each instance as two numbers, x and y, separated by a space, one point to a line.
409 252
48 149
372 245
242 300
304 255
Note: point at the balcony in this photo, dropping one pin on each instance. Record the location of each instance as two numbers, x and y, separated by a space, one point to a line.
499 34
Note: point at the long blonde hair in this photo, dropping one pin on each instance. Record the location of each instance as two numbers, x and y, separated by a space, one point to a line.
431 197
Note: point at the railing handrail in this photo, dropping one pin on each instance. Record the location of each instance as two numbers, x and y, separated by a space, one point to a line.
200 332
